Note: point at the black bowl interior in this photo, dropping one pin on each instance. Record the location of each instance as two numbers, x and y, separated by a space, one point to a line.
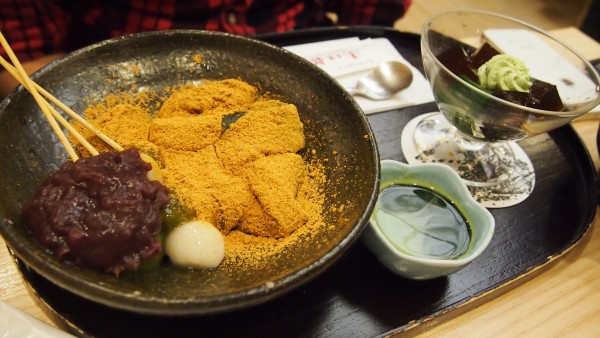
334 126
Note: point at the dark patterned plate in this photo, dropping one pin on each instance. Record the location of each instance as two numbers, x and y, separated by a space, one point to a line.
334 126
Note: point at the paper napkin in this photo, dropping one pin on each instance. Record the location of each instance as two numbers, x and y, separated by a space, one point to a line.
349 59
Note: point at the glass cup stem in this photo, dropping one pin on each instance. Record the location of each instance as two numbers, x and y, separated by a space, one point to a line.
480 164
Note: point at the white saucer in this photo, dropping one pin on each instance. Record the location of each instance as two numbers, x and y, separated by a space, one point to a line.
511 191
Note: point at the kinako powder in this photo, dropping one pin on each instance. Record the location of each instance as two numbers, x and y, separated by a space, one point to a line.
230 156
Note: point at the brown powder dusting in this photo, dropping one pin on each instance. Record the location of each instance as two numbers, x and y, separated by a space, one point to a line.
198 132
269 127
246 179
247 251
125 123
275 181
202 184
218 97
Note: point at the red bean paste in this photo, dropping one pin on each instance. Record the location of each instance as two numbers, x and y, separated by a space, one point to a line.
100 212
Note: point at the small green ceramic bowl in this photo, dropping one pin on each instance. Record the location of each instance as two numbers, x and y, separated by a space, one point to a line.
441 180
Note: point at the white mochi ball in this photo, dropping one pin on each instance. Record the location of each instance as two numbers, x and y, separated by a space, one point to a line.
195 244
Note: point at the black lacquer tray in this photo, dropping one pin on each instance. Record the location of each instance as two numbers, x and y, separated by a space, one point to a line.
358 297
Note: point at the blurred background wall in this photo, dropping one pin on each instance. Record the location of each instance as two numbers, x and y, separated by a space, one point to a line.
547 14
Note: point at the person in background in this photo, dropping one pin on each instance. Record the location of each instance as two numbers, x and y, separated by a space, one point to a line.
40 31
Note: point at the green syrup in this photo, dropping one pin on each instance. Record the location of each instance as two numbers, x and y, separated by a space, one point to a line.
421 223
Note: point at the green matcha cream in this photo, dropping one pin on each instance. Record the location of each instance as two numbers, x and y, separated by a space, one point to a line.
504 72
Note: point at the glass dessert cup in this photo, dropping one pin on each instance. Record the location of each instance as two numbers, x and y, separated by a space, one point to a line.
475 132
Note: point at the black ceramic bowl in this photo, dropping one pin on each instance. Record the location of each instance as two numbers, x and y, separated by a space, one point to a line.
334 124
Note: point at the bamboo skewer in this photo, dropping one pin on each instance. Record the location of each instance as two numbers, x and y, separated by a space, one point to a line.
40 101
19 73
13 71
55 114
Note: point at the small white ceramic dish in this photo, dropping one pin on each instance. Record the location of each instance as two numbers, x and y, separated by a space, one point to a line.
443 181
16 323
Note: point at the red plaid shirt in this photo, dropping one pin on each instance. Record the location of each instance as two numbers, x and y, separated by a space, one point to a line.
38 27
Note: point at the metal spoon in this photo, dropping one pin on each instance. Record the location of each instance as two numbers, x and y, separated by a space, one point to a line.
384 81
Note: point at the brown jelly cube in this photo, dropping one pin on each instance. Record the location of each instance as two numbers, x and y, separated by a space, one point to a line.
512 96
483 55
458 62
545 97
542 95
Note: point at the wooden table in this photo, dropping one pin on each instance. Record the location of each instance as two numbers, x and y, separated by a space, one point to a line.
563 300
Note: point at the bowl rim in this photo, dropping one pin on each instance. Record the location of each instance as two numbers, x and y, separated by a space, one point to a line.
199 305
567 114
468 199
